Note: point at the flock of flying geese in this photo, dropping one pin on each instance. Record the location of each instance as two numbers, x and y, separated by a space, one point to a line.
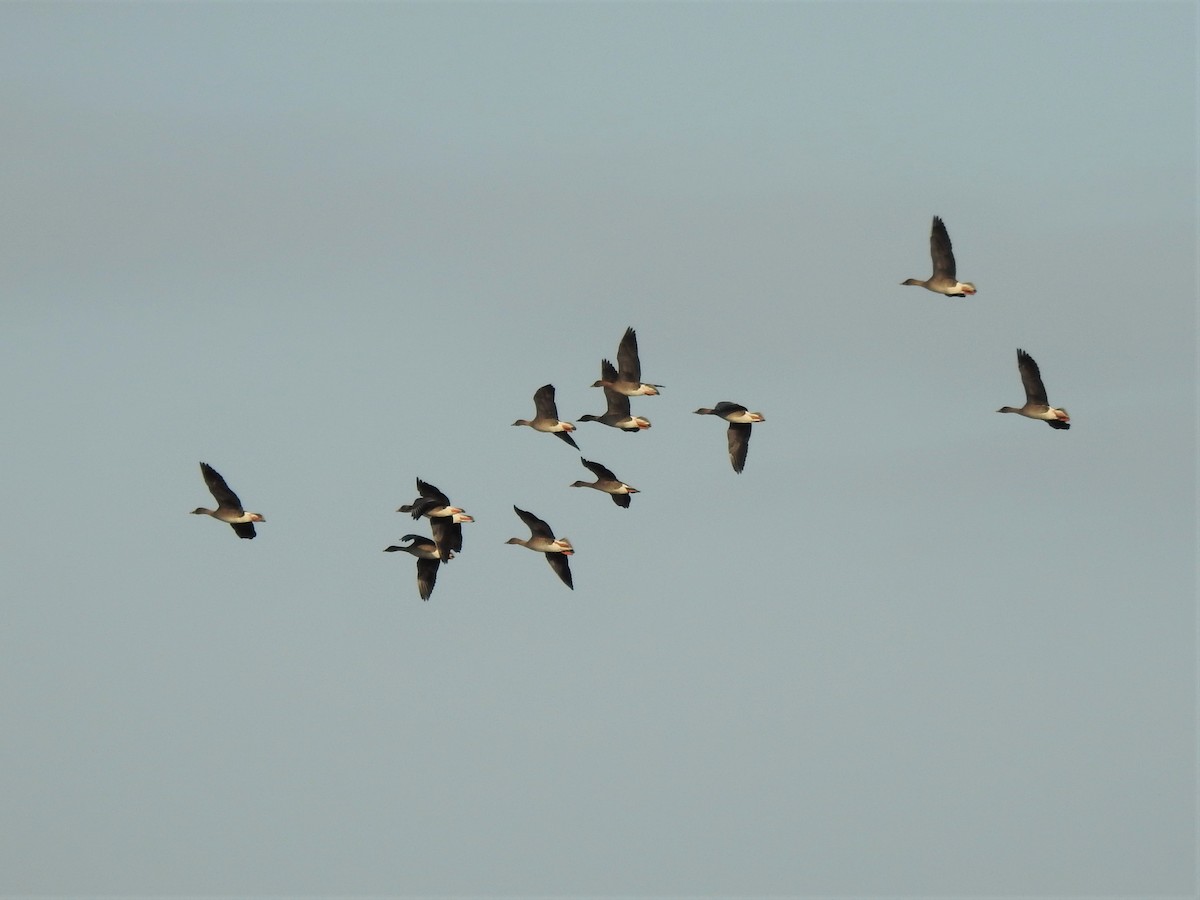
620 383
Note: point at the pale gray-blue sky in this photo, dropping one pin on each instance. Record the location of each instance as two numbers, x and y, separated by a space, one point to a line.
915 648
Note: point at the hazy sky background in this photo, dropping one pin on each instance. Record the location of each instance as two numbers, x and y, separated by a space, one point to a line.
916 648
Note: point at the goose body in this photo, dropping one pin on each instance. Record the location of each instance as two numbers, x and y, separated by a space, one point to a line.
740 419
607 482
546 416
428 559
1037 406
626 377
618 415
542 540
944 279
229 507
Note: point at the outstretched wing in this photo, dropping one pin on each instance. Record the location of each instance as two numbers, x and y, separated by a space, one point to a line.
543 402
427 570
627 357
562 568
537 526
447 534
225 498
941 251
1031 378
739 444
243 529
618 404
425 489
598 470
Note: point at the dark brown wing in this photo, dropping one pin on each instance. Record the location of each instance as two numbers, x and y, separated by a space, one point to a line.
537 526
226 499
543 402
447 534
621 500
727 407
425 489
243 529
941 251
598 470
607 371
1055 423
562 568
566 436
427 570
1031 378
628 362
618 404
431 498
739 444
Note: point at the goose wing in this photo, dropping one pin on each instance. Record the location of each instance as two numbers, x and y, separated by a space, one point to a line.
602 472
728 408
543 402
243 529
618 404
431 498
537 526
627 357
427 570
739 444
1031 378
226 499
562 568
427 490
941 251
447 535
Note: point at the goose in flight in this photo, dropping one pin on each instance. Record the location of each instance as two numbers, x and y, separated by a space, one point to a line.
943 280
229 507
542 540
1036 405
607 482
546 416
428 558
618 415
740 419
626 377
